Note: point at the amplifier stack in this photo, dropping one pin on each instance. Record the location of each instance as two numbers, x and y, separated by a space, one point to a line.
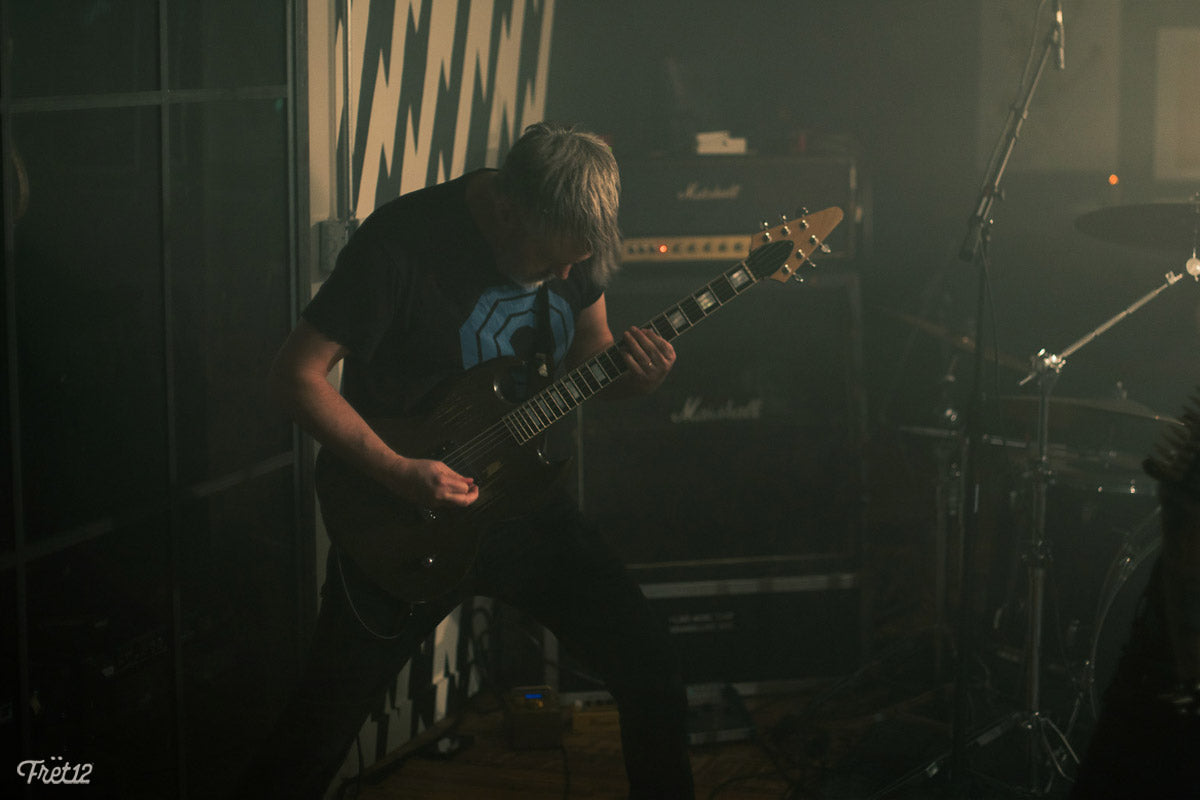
735 491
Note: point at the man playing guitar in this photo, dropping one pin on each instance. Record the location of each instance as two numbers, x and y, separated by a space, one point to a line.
434 283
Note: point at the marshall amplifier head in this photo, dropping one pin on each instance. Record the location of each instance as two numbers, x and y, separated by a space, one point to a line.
702 208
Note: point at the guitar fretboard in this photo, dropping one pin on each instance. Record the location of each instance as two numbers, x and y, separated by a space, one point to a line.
534 416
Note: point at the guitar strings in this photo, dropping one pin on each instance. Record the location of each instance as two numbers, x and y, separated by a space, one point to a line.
461 457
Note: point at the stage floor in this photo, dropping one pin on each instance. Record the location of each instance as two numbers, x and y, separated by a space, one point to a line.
853 738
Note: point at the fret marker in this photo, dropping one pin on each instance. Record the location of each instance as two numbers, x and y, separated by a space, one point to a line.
677 319
739 278
706 300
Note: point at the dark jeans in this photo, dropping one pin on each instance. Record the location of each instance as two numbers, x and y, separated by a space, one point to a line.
554 567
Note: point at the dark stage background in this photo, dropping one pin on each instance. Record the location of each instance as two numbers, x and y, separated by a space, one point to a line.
905 88
158 551
918 93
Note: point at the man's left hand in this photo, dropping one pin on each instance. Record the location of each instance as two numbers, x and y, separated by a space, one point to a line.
649 358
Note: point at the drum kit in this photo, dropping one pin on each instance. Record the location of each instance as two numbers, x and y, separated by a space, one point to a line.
1087 451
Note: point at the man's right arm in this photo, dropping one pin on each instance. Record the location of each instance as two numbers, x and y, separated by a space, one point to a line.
300 386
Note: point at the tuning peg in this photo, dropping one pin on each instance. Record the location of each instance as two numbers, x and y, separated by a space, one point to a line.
826 249
766 230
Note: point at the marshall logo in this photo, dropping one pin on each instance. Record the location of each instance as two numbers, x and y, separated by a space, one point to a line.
695 191
694 410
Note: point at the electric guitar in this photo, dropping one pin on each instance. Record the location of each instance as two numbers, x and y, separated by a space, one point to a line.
417 554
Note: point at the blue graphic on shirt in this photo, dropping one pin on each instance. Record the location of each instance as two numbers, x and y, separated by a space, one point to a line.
501 313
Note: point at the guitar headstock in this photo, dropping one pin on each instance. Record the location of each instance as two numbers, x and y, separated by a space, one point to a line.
1177 461
781 252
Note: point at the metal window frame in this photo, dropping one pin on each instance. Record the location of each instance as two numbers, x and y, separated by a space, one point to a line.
18 560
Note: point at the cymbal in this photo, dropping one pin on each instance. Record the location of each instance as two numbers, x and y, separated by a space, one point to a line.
960 341
1163 226
1115 405
1103 469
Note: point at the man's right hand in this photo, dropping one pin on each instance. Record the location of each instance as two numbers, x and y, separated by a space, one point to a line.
299 383
431 484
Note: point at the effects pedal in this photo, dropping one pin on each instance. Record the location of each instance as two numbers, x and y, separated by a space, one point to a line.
533 719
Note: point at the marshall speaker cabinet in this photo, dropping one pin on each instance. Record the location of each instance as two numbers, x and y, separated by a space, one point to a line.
704 207
735 492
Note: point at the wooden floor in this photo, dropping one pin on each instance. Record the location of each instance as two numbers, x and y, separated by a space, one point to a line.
846 740
863 748
587 766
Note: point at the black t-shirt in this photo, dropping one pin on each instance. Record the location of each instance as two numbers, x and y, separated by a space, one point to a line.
416 297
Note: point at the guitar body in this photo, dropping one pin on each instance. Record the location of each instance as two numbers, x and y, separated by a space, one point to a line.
417 554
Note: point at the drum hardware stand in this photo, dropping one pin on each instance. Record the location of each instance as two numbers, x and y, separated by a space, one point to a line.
948 501
1047 367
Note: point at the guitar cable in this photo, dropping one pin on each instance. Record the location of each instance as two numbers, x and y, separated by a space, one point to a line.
337 554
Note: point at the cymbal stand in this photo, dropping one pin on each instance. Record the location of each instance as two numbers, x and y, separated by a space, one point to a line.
1047 367
1057 362
1036 556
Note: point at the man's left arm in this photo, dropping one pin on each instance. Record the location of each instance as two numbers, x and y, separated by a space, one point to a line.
648 356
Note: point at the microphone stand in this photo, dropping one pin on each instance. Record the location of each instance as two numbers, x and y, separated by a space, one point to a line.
974 249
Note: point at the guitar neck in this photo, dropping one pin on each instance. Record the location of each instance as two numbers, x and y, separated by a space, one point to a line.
533 417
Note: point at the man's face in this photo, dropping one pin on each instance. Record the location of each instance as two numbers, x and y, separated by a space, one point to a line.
533 259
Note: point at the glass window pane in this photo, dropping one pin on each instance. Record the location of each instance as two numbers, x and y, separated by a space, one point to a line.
67 47
11 710
89 315
223 43
238 595
8 541
229 266
100 640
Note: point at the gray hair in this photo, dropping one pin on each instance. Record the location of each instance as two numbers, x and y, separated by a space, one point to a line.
566 183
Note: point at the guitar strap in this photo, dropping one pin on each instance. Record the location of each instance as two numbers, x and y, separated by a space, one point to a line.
554 445
542 366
